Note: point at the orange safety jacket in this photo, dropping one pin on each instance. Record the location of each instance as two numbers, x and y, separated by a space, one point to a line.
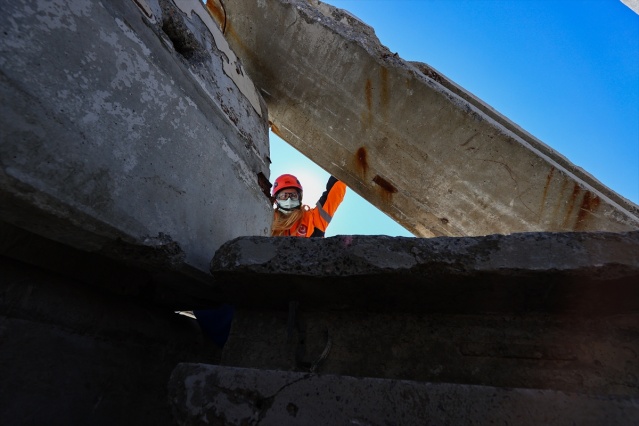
315 221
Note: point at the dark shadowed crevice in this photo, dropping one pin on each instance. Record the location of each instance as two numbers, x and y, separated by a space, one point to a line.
184 41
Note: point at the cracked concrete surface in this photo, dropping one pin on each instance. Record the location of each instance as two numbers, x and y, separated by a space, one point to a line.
119 120
304 399
590 353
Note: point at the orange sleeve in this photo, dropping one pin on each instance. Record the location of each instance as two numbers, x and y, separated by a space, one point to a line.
327 205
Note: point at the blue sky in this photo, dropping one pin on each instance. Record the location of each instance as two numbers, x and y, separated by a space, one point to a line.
566 71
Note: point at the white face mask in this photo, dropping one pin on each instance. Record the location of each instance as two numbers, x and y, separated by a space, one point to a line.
288 205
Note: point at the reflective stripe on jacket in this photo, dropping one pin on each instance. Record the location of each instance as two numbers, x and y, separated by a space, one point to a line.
315 221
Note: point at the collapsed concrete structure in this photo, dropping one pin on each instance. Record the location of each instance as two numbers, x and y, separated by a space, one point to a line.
129 127
420 148
127 130
529 329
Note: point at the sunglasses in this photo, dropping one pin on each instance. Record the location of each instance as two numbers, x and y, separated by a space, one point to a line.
286 195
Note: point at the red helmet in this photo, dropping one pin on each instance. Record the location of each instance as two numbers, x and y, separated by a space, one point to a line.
286 181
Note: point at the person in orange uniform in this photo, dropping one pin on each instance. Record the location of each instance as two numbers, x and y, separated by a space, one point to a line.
292 218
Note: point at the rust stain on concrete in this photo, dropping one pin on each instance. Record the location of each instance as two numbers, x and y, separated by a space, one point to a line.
276 130
560 199
543 198
386 189
572 200
586 202
385 93
361 160
229 32
367 114
384 184
217 13
589 204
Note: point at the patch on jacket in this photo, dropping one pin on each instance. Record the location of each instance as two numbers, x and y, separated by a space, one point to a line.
302 230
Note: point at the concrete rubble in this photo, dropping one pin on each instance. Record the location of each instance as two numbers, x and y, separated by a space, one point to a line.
134 181
563 272
416 145
536 310
205 394
533 328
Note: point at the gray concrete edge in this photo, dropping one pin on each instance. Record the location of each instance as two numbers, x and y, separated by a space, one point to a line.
201 393
571 273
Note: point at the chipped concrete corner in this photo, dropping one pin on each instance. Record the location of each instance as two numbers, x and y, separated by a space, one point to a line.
127 121
232 67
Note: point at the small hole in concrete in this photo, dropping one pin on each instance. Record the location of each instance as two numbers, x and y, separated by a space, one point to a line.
182 41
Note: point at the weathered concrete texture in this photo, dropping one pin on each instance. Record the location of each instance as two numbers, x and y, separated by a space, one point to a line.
534 310
75 355
202 394
420 148
535 272
597 354
129 127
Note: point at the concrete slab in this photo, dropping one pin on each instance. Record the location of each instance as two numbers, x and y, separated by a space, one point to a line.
596 354
75 354
204 394
127 128
532 310
420 148
586 273
144 276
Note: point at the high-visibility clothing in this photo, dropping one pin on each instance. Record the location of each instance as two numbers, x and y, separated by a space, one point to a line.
315 221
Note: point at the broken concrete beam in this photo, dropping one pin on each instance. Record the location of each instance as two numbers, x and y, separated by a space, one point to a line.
588 273
206 394
129 129
420 148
